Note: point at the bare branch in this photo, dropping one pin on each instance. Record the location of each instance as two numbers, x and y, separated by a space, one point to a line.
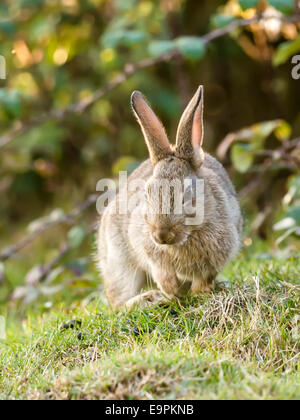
45 270
69 219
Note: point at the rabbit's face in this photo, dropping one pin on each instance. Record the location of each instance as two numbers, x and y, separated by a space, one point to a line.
166 201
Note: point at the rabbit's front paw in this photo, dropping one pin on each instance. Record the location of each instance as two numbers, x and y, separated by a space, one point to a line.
153 297
200 286
167 282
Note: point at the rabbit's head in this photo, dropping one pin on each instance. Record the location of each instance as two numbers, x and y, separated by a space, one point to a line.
175 167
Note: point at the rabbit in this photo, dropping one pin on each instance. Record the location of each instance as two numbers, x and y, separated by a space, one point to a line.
143 247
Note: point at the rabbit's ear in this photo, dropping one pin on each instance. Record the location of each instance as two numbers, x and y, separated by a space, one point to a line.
153 130
190 131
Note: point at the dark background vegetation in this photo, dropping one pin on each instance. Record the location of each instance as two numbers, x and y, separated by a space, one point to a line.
60 134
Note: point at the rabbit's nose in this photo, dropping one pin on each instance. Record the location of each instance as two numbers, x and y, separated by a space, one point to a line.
164 237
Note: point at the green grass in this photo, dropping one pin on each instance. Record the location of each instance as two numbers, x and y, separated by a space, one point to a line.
242 342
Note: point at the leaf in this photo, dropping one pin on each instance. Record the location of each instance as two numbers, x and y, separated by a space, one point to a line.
84 283
191 47
47 138
294 213
285 223
283 131
255 134
221 20
242 157
285 51
78 267
157 48
122 37
7 27
284 6
125 5
10 99
248 4
76 236
262 130
167 101
31 295
27 293
133 38
51 290
125 163
30 3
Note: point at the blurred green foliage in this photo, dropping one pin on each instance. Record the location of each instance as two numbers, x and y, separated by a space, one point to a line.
59 52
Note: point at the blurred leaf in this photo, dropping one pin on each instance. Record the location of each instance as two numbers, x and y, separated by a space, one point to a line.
132 38
262 130
27 293
42 27
122 37
284 6
283 131
285 51
7 27
157 48
125 4
84 283
10 99
31 295
257 133
46 138
125 163
167 101
27 183
76 236
285 223
78 267
220 20
248 4
294 213
191 47
51 290
30 3
242 157
254 135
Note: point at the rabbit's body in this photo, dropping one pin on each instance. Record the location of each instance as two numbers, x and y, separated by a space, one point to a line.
178 258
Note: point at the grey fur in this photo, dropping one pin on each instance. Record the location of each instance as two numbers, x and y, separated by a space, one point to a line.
128 254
